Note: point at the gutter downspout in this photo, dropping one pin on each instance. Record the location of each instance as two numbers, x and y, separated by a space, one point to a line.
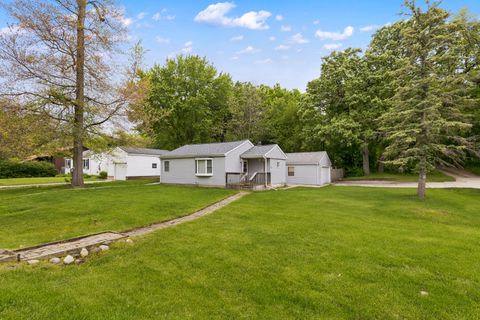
265 169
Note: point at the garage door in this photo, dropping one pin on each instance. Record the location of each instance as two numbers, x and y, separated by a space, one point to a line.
325 175
120 171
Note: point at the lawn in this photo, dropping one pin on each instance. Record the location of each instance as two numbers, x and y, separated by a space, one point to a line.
33 216
328 253
40 180
435 176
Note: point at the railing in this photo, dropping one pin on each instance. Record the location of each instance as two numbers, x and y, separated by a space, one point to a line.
237 180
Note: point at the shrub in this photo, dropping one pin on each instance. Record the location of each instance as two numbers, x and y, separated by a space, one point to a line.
103 175
13 169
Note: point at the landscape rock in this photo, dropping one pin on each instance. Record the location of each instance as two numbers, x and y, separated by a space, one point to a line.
104 247
129 240
55 260
84 253
79 261
31 262
423 293
68 259
95 250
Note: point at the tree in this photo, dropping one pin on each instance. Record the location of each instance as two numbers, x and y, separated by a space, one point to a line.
247 111
186 102
58 59
428 121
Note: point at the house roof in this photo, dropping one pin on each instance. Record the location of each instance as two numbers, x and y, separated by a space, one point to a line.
203 150
258 151
307 157
154 152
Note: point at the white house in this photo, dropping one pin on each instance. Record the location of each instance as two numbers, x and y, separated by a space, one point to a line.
227 164
123 163
308 168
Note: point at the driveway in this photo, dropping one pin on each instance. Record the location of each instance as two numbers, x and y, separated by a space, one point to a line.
463 179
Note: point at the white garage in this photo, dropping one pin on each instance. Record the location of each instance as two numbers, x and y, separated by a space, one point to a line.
308 168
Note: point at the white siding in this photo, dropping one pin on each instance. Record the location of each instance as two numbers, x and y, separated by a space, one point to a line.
304 174
182 171
141 166
233 162
277 172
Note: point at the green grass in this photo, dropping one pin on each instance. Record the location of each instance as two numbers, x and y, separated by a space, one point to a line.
38 215
41 180
435 176
328 253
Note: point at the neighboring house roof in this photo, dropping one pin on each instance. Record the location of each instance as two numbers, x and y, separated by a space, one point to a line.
203 150
154 152
262 151
319 157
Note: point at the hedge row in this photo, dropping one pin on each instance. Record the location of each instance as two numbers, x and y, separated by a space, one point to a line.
12 169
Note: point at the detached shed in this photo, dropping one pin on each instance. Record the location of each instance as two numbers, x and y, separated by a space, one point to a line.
309 168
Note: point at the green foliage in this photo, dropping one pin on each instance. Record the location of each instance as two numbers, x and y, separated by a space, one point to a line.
103 175
14 169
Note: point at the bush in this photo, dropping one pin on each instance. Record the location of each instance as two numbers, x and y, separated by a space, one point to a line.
103 175
12 169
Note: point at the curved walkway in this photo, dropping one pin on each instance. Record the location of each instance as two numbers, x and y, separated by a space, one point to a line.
70 246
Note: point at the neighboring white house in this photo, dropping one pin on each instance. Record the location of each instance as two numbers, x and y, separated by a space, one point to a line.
227 164
308 168
123 163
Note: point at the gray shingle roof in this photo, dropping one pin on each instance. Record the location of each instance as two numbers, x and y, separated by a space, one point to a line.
203 150
155 152
257 151
306 157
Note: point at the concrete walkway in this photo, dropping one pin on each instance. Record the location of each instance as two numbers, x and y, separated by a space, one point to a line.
463 179
73 246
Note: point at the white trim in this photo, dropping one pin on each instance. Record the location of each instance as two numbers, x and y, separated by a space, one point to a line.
206 174
277 146
239 146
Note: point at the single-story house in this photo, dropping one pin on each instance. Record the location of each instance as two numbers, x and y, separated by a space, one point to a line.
226 164
308 168
123 163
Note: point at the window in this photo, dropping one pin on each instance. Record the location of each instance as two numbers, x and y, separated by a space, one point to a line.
278 164
68 163
244 166
86 164
203 167
291 171
166 166
154 166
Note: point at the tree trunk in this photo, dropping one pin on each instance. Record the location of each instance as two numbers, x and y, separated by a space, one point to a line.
366 160
381 165
422 179
77 178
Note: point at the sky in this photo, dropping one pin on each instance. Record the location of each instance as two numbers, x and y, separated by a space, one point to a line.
265 42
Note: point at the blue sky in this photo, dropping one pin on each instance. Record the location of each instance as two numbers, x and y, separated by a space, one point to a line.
261 41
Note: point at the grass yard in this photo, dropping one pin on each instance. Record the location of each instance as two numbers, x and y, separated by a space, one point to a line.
328 253
38 180
38 215
435 176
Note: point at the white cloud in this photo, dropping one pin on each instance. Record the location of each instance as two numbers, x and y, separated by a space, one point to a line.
141 15
298 39
279 17
265 61
126 21
158 16
299 50
332 46
335 36
248 49
315 22
215 14
285 28
162 40
235 58
237 38
11 30
187 48
369 28
282 47
272 38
